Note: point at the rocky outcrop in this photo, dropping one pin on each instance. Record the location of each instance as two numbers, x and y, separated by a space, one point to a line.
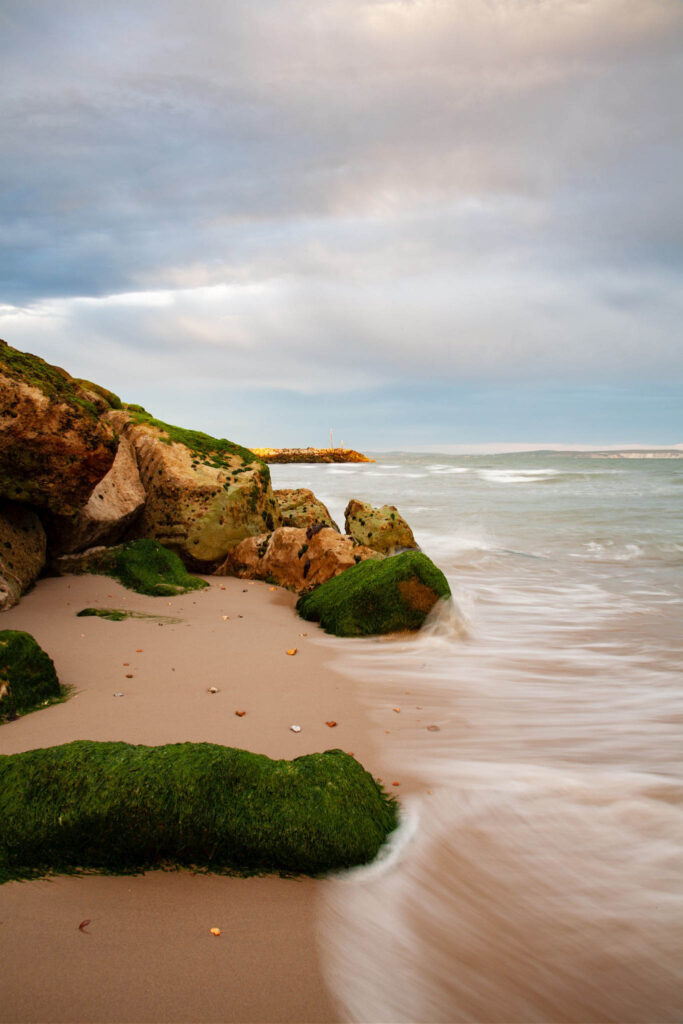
388 596
110 510
53 447
300 507
22 551
383 529
203 494
295 558
310 455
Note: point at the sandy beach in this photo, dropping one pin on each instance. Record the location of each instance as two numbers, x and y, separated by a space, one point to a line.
148 954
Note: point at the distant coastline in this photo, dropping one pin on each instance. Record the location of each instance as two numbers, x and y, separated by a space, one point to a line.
310 455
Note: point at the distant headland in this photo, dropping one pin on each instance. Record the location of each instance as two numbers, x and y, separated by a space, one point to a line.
310 455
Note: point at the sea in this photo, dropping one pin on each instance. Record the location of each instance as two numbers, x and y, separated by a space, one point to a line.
538 871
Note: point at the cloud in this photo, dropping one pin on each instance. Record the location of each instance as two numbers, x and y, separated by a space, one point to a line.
344 195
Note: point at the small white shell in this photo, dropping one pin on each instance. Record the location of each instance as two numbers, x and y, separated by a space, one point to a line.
295 728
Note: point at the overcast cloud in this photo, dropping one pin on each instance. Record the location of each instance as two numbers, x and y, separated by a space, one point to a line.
228 209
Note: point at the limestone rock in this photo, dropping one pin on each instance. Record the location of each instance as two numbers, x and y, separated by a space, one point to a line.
117 500
204 495
300 507
53 446
388 596
22 551
383 529
295 558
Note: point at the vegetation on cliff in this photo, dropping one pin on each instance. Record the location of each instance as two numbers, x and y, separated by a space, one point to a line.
54 382
374 597
28 678
142 565
116 807
211 451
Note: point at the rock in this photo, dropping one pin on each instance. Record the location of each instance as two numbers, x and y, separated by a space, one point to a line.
27 674
204 494
376 597
295 558
112 507
22 551
383 529
53 447
300 507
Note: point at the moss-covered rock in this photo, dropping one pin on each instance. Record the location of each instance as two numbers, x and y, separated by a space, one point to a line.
299 507
121 808
22 551
27 676
204 494
141 565
383 529
374 597
53 447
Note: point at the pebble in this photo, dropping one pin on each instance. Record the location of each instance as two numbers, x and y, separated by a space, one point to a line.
295 728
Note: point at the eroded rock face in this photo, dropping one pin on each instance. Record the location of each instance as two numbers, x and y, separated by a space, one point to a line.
53 446
112 507
382 529
198 503
300 507
295 558
22 551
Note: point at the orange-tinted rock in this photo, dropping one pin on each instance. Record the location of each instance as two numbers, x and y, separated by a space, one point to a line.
53 447
295 558
22 551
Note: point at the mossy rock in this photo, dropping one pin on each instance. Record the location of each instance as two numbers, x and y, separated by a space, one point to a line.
141 565
27 675
374 597
121 808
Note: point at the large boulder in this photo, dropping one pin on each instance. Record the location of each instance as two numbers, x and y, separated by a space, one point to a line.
383 529
27 674
53 446
204 494
300 507
376 597
112 507
294 558
22 551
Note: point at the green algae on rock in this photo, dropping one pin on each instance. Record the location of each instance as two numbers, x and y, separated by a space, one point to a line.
373 597
141 565
299 507
27 675
116 807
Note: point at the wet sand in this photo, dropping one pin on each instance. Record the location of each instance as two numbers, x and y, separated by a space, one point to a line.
148 954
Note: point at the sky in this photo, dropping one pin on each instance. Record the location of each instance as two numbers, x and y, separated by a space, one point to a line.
419 223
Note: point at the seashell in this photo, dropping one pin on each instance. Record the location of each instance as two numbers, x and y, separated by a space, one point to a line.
433 728
292 651
215 931
395 783
295 728
212 689
118 694
397 710
331 724
240 714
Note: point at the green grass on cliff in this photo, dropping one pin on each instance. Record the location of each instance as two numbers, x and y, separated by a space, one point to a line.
27 675
212 451
54 382
119 808
112 399
146 567
373 597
